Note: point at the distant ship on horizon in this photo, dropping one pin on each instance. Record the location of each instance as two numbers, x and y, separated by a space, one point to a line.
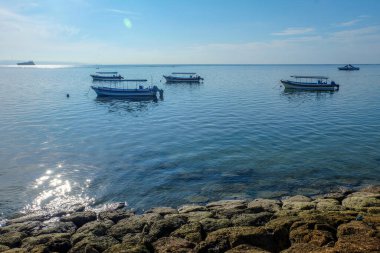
26 63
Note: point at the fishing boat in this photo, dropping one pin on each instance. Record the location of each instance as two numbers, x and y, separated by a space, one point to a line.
106 76
26 63
121 88
185 77
348 67
313 83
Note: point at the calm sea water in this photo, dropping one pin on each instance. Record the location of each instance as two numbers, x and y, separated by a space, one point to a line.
237 135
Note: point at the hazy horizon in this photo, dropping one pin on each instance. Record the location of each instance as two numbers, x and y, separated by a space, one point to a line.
196 32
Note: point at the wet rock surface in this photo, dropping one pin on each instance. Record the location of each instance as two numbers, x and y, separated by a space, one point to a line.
342 221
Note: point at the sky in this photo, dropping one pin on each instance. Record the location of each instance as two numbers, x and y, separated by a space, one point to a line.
191 31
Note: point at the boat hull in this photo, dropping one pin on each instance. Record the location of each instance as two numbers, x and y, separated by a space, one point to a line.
349 69
309 86
115 92
172 79
106 78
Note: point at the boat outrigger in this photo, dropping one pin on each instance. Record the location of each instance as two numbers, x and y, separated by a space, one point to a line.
348 67
185 77
106 76
315 83
121 89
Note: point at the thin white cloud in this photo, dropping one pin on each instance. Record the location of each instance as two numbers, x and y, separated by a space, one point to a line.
357 33
124 12
294 31
14 24
349 23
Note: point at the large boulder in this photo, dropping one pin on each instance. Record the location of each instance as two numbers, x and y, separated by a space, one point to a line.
3 248
307 233
59 242
54 227
98 243
362 200
93 228
280 229
80 218
198 215
173 245
192 232
264 205
28 218
26 227
115 215
298 202
211 224
227 208
165 226
251 219
12 239
227 238
327 204
356 237
227 204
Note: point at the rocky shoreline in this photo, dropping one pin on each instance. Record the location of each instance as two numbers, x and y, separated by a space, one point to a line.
343 221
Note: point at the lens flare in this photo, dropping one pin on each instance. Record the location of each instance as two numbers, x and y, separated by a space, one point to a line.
127 23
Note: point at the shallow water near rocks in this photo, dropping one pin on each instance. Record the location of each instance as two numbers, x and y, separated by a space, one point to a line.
237 135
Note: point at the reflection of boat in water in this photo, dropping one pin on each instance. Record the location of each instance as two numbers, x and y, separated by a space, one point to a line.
127 104
348 67
121 89
27 63
106 76
184 77
312 83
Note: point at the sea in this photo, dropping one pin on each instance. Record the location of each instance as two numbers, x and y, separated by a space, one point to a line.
238 134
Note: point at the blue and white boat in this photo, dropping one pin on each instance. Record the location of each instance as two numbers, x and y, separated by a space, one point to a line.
348 67
313 83
184 77
106 76
121 88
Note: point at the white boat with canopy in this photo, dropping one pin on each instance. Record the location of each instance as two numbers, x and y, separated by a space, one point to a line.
106 76
185 77
122 88
315 83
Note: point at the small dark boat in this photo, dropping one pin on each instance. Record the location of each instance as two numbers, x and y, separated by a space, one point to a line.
26 63
312 83
106 76
349 67
184 77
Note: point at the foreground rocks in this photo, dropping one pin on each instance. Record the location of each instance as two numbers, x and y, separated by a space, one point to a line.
336 222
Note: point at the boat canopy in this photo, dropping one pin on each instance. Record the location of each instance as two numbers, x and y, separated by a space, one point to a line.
312 77
183 73
114 73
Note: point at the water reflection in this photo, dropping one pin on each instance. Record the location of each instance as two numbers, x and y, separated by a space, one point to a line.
304 96
128 104
57 193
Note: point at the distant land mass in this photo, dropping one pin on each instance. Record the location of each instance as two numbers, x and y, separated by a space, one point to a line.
26 63
16 62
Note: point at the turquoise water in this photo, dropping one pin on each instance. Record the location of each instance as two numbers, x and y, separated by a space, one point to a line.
237 135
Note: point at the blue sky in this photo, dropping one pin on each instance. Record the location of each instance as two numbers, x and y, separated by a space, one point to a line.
196 31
